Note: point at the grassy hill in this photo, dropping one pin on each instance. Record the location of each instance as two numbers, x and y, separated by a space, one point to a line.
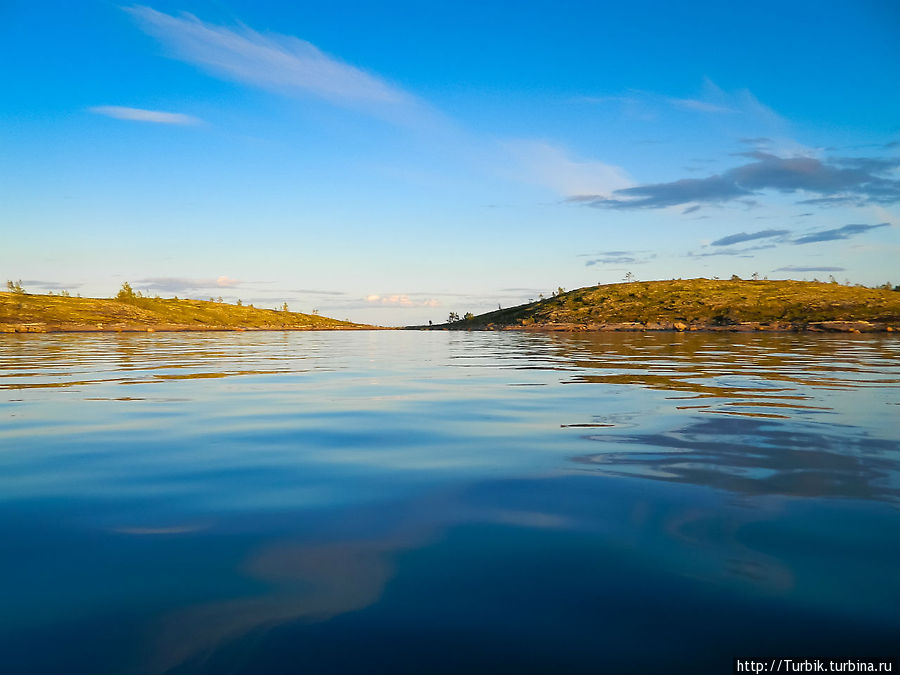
25 312
702 304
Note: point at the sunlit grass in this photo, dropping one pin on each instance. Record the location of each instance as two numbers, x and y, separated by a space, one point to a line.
25 311
702 302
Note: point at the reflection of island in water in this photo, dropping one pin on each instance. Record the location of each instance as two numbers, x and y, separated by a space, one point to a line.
757 457
771 433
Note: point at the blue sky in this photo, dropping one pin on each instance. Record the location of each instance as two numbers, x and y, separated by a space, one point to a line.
392 162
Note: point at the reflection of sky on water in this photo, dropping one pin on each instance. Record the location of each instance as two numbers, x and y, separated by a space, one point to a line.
227 499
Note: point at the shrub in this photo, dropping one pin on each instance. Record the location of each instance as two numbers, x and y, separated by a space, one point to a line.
126 293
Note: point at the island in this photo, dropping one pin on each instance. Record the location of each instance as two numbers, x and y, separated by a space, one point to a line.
699 304
129 311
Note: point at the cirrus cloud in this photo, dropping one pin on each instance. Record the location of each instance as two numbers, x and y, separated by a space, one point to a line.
141 115
275 62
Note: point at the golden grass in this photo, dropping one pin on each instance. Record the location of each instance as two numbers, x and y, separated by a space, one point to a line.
54 312
704 302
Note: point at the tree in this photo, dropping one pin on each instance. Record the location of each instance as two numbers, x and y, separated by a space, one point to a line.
239 303
315 312
452 317
15 287
126 293
560 290
735 277
469 316
284 307
755 276
629 277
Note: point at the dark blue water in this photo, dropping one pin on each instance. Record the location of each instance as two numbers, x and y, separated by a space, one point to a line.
398 502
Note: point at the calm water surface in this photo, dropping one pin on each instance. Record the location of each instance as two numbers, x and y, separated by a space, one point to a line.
445 502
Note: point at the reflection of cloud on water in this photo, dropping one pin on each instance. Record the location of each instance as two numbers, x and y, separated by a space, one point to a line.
758 457
709 548
160 530
310 583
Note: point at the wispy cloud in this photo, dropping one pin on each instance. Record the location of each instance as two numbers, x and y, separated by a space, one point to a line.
741 237
712 99
746 252
794 268
617 258
50 285
401 300
275 62
175 284
837 233
141 115
781 237
547 164
316 291
863 180
700 106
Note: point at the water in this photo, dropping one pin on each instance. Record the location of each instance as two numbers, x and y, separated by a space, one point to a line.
445 502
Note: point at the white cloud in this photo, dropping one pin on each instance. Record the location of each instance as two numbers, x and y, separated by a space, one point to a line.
141 115
226 282
551 166
278 62
400 300
700 106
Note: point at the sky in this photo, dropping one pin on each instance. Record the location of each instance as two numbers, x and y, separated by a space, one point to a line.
392 162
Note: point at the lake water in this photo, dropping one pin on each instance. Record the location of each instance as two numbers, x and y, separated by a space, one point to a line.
405 502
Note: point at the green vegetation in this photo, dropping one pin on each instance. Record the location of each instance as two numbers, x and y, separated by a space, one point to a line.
699 303
129 310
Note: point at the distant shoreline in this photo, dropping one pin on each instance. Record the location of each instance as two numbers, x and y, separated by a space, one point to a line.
622 327
49 328
653 327
677 305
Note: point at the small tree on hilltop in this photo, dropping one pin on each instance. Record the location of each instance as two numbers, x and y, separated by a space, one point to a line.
126 293
284 307
15 287
469 316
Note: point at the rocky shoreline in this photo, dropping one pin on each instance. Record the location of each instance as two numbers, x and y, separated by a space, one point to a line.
742 327
158 328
